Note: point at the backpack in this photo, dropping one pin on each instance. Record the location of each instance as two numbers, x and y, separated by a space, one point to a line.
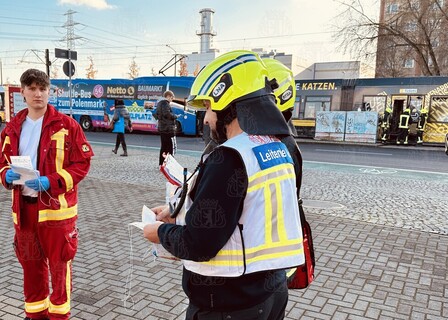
302 276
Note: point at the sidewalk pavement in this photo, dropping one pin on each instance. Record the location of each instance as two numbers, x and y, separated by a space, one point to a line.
381 254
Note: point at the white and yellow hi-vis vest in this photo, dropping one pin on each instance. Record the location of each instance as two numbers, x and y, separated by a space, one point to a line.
269 235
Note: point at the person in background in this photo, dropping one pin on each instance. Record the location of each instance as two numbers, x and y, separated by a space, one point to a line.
121 121
166 126
421 124
385 124
44 209
283 84
403 126
242 228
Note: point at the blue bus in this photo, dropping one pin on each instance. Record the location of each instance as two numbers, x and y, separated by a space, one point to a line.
91 101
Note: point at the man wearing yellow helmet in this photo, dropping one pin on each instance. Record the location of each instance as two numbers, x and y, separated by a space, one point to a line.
242 228
283 85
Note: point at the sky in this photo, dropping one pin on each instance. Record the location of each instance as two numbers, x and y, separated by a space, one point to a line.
114 33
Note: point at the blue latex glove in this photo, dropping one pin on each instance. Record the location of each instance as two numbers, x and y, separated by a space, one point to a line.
11 176
40 184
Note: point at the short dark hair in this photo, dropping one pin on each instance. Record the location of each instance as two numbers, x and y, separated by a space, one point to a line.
119 102
31 76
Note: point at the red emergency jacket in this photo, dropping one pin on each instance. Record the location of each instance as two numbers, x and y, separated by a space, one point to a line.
63 157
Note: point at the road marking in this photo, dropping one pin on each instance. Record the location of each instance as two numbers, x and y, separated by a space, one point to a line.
377 171
360 152
384 168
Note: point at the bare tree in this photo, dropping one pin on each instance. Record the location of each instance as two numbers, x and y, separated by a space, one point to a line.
133 69
405 29
183 68
153 71
196 70
54 71
90 71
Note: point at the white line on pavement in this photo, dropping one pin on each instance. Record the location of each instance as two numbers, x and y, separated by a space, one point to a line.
360 152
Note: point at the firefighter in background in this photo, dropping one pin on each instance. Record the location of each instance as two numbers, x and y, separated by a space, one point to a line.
403 126
283 84
421 124
385 124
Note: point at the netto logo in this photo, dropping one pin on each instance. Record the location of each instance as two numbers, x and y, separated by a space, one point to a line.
121 90
287 95
219 89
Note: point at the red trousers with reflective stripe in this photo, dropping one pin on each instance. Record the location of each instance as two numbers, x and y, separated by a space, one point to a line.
40 248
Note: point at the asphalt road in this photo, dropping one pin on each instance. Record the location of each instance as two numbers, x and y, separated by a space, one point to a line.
418 158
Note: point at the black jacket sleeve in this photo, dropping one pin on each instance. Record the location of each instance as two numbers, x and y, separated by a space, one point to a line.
218 202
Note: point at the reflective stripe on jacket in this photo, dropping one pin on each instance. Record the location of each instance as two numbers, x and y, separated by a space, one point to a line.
63 157
268 235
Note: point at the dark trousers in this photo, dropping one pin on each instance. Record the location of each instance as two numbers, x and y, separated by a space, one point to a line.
272 308
120 140
167 145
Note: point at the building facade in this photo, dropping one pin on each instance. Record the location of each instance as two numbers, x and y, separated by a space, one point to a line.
412 38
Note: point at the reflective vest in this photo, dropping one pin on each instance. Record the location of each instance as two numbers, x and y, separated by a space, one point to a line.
385 121
404 119
268 235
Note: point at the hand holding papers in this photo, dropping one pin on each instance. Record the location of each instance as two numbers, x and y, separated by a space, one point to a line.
173 171
148 216
23 166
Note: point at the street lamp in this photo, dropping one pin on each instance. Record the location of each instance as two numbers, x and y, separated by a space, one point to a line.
175 57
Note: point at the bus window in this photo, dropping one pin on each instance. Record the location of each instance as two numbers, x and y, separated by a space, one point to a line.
314 104
297 113
439 109
376 103
415 101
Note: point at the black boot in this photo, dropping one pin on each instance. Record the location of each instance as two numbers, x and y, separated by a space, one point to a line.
125 153
114 151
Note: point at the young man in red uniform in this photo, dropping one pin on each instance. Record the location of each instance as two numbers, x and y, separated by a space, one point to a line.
44 209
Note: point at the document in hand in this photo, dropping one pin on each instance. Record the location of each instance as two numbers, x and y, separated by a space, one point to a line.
22 165
148 216
173 171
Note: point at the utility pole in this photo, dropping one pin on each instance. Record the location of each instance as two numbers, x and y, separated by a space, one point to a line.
47 61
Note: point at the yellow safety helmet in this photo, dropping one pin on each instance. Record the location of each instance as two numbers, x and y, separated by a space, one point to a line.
235 75
285 92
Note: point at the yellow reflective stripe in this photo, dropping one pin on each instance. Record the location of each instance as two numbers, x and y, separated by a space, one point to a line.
14 217
59 309
7 141
277 173
272 195
67 177
263 252
268 215
65 307
38 306
56 215
62 201
280 223
59 137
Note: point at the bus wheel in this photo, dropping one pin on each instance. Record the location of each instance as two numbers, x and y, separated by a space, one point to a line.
86 123
178 128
